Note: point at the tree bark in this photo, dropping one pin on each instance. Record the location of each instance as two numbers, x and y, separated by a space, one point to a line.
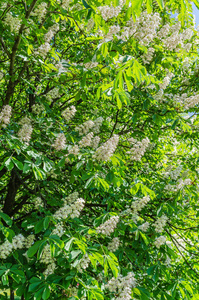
13 186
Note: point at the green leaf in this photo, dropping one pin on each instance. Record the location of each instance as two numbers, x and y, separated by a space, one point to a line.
39 174
9 164
149 6
34 286
119 102
47 165
68 245
46 293
33 249
85 4
113 266
26 168
99 258
17 163
6 218
161 3
46 222
57 241
39 226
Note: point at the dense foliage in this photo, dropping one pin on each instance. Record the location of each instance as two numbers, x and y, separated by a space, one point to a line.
99 150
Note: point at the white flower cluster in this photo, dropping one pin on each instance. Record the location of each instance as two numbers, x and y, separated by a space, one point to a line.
65 3
29 240
50 269
51 32
40 11
72 197
113 31
13 22
139 204
59 230
73 210
95 142
38 203
179 242
5 115
97 125
90 65
85 127
86 140
7 248
43 50
181 184
109 226
46 255
164 31
147 57
144 227
109 12
139 148
52 94
173 173
26 130
90 24
122 286
191 101
106 150
69 113
114 244
83 263
38 108
164 83
60 142
160 223
73 150
161 240
144 29
172 38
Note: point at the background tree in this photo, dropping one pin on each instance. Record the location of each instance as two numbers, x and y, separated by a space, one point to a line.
99 150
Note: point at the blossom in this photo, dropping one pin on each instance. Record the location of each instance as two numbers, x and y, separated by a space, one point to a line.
7 247
122 286
29 240
60 142
46 255
85 127
40 11
97 125
95 142
5 115
38 203
160 241
43 49
144 227
69 113
109 226
13 22
106 150
108 12
160 223
86 140
114 244
138 149
83 263
50 269
73 210
25 133
52 94
59 230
